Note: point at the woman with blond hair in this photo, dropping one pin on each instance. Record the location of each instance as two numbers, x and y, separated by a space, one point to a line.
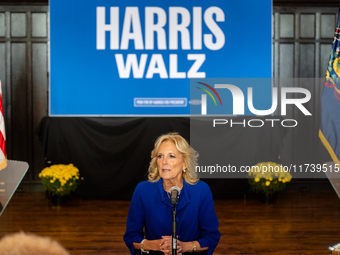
148 227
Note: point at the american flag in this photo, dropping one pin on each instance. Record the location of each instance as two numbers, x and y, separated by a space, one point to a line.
3 154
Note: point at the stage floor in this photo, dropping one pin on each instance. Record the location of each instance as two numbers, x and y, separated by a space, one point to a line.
298 223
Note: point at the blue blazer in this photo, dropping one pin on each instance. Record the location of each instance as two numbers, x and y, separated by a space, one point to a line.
151 208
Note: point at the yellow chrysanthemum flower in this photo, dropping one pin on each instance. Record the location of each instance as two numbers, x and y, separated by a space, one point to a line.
268 177
60 179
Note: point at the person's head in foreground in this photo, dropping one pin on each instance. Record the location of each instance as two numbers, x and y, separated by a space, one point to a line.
30 244
148 226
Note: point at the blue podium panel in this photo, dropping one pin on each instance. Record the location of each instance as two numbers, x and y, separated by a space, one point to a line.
130 57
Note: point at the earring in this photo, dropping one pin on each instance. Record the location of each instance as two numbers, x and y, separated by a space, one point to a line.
184 171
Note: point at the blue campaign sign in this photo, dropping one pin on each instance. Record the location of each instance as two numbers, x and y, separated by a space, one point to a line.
133 57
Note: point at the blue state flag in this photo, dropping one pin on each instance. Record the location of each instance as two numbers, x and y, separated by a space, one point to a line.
329 132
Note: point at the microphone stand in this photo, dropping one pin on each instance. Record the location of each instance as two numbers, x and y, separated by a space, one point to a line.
174 230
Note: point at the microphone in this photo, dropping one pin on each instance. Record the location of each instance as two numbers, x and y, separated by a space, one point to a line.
174 195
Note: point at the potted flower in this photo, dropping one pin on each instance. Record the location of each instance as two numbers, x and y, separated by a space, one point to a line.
268 178
59 181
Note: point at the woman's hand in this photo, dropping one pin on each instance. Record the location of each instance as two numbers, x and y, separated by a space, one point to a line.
149 245
189 246
166 245
185 246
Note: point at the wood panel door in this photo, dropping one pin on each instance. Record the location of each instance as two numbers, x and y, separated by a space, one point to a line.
24 39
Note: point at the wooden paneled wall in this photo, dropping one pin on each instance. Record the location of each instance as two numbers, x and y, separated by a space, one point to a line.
302 41
302 38
24 39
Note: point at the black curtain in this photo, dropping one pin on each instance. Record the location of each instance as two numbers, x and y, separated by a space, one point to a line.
113 153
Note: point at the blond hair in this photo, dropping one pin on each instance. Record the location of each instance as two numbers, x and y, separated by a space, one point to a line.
189 157
30 244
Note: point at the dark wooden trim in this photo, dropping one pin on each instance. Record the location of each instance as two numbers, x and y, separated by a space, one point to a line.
296 3
19 2
24 2
306 3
